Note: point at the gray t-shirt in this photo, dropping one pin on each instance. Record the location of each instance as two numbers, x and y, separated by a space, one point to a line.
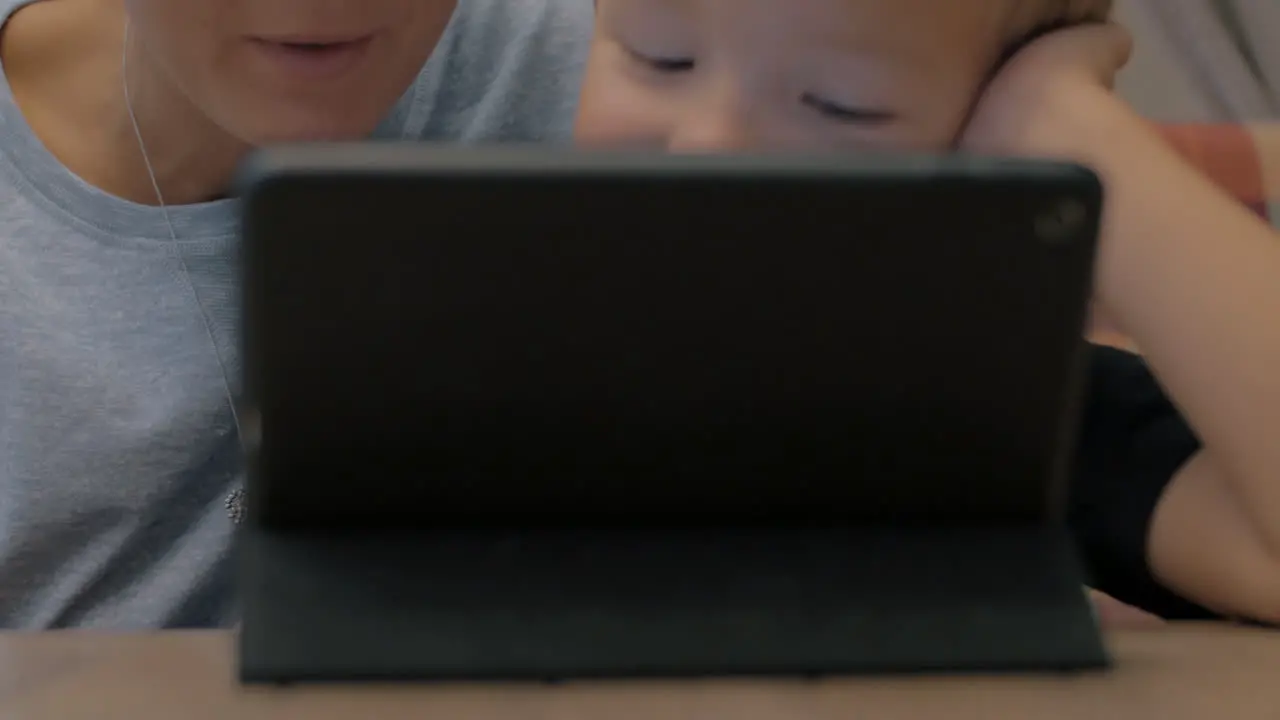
117 442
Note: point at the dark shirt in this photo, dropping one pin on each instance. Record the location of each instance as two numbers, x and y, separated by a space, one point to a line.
1132 443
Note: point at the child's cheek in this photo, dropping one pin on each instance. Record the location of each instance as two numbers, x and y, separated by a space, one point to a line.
617 108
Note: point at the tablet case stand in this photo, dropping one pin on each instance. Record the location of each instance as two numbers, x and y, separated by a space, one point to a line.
556 604
364 432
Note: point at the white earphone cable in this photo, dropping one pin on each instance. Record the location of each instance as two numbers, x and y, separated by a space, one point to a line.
235 500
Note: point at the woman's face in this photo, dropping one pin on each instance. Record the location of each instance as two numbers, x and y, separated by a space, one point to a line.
289 70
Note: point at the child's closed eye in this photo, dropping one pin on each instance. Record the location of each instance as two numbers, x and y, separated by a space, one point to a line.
661 62
846 113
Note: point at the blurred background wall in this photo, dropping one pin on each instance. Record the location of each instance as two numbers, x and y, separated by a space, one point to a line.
1203 60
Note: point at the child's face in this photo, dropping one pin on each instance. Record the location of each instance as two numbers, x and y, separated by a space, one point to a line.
723 75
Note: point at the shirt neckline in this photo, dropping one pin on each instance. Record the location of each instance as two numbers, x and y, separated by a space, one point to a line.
44 179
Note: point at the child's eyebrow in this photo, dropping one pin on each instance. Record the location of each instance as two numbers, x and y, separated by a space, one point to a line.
676 8
874 40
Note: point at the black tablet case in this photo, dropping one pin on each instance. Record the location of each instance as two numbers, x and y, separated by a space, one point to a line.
532 414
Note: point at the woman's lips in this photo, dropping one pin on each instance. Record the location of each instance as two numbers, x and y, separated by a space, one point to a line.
312 58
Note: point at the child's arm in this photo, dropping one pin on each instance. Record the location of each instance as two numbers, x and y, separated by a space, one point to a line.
1194 279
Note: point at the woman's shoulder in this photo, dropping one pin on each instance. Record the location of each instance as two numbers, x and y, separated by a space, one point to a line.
503 71
504 17
44 37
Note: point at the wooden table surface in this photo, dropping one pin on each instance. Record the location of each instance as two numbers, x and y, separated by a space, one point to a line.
1195 672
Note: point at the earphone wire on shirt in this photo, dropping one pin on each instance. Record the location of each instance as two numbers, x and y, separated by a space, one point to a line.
235 500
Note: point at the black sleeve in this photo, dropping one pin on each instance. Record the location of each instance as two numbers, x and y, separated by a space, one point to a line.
1131 443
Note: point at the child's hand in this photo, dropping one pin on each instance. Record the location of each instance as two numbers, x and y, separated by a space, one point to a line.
1031 105
1115 615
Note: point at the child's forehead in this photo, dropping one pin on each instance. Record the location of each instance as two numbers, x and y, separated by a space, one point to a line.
865 25
887 23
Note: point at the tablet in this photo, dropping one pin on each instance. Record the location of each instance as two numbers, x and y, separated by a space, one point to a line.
536 414
451 335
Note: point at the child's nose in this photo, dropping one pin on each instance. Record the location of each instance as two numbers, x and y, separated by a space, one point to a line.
712 128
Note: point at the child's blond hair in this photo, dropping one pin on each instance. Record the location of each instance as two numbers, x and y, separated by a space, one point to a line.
1029 16
1030 19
